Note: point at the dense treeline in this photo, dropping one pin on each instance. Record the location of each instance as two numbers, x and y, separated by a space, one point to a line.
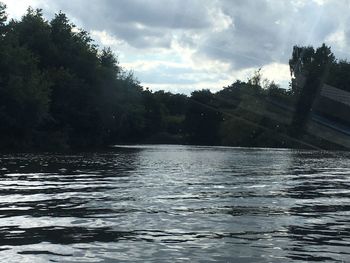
59 91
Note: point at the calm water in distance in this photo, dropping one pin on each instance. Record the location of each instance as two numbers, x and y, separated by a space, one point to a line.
176 204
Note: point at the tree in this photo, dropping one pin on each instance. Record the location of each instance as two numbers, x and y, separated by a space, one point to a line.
24 96
3 19
309 70
203 118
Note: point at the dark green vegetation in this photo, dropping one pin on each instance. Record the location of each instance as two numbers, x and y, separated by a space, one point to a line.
59 91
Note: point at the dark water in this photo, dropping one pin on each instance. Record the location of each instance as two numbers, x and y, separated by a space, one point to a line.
176 204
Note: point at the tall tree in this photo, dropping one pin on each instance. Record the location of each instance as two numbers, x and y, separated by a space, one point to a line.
309 70
3 18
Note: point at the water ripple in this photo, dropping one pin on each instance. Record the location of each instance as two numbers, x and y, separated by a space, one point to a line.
175 204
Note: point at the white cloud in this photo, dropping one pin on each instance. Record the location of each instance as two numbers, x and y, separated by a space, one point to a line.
337 38
276 72
17 8
106 39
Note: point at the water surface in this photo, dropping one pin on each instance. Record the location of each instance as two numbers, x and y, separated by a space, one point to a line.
176 204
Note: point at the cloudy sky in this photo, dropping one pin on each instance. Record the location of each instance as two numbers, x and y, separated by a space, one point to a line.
183 45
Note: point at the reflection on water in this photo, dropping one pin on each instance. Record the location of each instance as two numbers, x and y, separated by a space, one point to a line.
175 204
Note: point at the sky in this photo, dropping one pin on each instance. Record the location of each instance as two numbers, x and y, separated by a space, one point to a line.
186 45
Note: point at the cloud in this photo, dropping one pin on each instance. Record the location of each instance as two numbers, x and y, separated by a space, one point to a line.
189 44
17 8
264 32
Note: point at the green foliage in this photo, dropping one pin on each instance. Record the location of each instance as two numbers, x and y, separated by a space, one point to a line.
24 95
54 81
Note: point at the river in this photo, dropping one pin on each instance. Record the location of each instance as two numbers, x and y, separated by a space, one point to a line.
175 204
